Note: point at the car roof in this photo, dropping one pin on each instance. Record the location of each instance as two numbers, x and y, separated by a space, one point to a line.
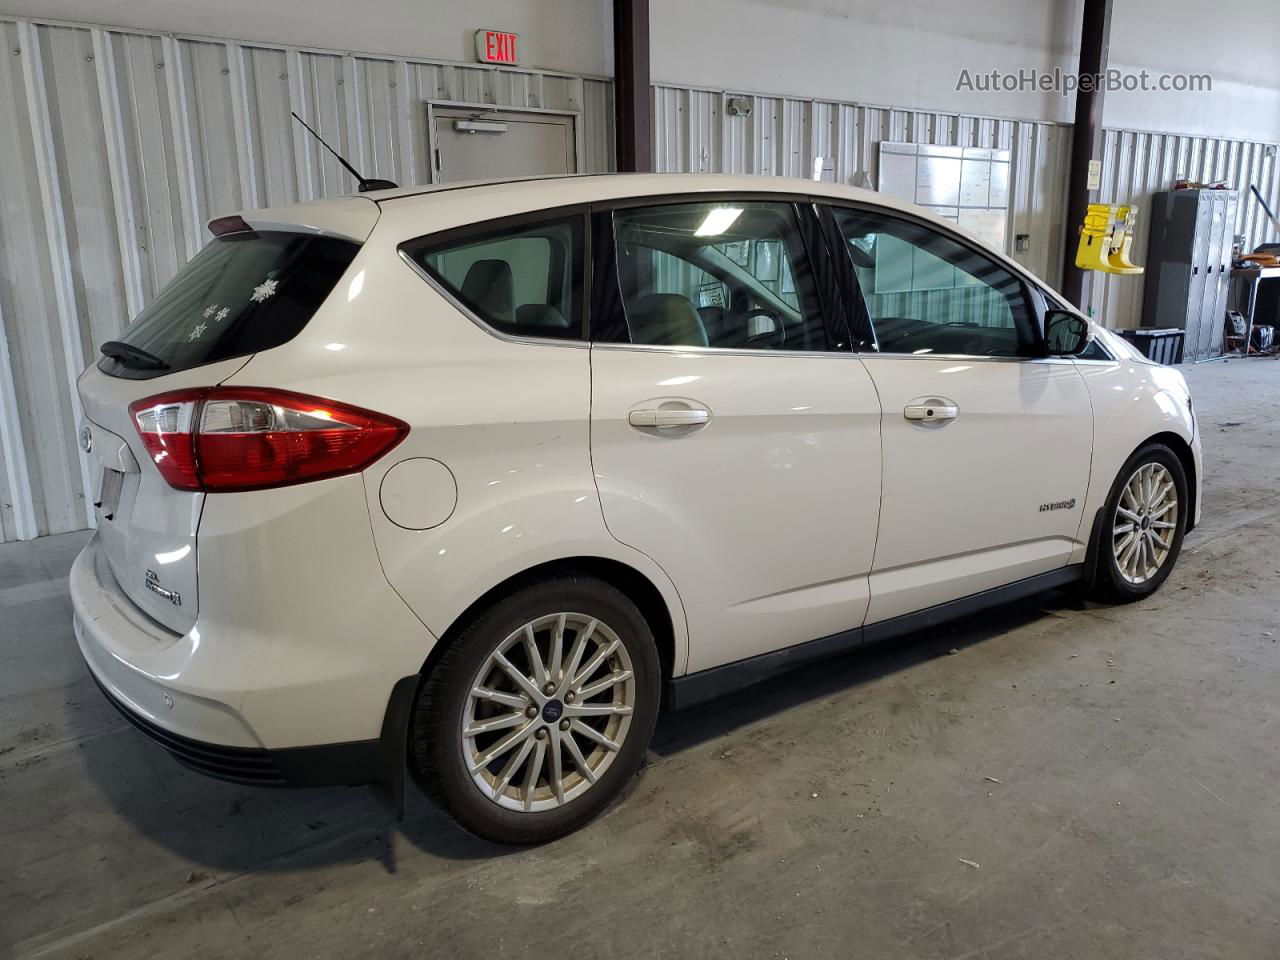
527 193
408 209
570 188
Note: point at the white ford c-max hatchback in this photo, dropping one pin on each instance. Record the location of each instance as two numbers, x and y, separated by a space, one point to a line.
467 481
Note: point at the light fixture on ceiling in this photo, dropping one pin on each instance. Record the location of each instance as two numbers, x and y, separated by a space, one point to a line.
717 221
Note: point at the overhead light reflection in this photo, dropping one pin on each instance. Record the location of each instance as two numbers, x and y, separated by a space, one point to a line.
357 284
173 556
717 221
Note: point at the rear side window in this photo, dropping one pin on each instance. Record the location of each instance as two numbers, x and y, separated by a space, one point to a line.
243 293
522 278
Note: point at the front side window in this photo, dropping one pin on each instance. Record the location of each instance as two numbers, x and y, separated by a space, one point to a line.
726 274
928 293
523 278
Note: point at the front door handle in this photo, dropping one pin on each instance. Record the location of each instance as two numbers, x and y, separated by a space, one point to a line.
929 409
666 417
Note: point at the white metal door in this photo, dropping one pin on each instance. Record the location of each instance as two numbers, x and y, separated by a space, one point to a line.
987 491
477 145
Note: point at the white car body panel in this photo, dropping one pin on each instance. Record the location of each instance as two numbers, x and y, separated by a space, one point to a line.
962 497
352 218
314 602
476 403
766 508
1133 400
289 626
157 525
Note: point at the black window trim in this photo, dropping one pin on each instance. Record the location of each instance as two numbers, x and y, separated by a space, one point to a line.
476 227
1040 347
834 315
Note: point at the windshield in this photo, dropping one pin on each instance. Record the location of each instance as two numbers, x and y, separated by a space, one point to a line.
242 293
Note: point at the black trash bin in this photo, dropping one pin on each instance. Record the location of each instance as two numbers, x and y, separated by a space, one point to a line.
1161 344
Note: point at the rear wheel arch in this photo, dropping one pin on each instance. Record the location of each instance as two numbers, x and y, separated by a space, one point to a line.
636 586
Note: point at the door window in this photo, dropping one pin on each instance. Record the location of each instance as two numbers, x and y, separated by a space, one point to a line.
926 292
727 274
523 278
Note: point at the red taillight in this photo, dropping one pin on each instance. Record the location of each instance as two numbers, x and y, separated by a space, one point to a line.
249 438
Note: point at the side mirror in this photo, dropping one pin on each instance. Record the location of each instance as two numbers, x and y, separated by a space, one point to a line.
1065 334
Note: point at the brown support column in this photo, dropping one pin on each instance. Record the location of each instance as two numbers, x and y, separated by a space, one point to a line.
1086 137
633 106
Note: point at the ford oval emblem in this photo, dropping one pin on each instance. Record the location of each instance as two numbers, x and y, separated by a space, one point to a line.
86 439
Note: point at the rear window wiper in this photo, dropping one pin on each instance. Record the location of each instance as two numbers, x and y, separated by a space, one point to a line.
132 356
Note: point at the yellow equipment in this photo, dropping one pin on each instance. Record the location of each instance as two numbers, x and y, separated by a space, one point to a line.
1106 239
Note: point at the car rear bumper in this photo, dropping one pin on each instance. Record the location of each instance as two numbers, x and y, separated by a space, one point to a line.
284 704
339 764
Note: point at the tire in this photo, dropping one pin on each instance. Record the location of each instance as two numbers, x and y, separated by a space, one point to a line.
1148 564
492 799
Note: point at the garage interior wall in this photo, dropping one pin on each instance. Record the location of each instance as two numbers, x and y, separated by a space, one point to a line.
122 143
694 133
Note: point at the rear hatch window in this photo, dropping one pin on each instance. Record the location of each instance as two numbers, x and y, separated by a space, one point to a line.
244 292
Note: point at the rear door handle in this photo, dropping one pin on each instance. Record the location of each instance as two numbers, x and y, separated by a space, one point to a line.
931 408
660 417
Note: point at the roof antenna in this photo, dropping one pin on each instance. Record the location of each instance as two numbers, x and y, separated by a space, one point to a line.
365 184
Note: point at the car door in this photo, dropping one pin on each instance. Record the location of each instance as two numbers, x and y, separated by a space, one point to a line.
734 439
986 441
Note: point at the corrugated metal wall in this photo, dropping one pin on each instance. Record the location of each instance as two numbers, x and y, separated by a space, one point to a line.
119 145
1137 164
783 135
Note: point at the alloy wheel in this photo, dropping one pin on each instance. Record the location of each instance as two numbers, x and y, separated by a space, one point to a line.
1145 523
548 712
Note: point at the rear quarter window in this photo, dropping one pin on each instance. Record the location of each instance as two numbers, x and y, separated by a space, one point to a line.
244 292
521 277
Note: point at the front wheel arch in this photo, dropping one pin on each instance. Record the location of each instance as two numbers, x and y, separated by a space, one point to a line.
1095 580
1182 450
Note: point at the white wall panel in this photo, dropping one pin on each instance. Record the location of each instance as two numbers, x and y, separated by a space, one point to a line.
120 145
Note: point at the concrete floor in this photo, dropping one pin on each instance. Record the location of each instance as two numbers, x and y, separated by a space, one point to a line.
1109 771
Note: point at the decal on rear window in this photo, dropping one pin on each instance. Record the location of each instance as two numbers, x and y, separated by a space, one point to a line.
242 293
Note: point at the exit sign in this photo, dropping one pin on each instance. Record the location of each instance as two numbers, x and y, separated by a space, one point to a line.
497 46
